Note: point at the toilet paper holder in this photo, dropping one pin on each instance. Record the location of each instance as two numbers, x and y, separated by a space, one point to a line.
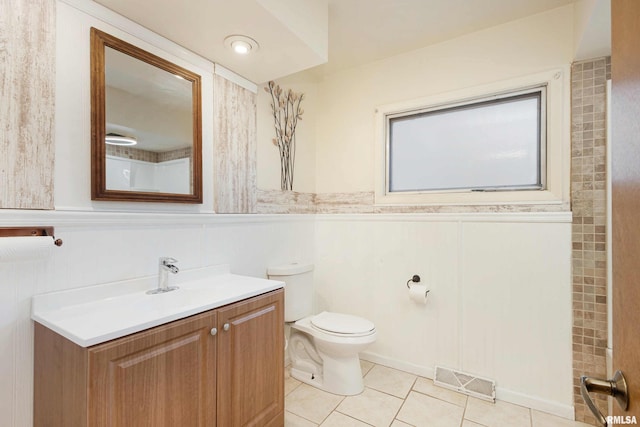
415 279
30 231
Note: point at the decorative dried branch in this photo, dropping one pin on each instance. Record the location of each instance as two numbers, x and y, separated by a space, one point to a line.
286 109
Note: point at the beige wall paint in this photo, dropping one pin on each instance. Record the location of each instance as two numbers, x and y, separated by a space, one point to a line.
27 85
347 100
268 158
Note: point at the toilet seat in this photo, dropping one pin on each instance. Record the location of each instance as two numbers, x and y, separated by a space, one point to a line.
339 324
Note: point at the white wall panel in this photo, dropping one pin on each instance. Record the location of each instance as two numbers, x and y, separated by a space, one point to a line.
516 307
500 300
101 248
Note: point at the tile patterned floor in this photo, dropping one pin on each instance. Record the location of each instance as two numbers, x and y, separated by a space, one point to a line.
399 399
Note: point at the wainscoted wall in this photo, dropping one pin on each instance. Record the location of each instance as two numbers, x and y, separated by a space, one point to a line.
105 247
27 85
234 153
500 300
588 201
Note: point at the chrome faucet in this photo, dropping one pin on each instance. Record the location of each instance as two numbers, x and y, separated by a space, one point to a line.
165 266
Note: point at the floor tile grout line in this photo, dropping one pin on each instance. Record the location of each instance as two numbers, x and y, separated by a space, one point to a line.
387 393
352 417
441 399
395 416
530 418
293 389
464 411
335 408
304 418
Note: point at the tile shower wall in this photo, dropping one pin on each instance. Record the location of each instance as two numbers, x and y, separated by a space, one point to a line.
588 203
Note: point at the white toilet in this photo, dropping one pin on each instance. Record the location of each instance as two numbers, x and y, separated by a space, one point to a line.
323 348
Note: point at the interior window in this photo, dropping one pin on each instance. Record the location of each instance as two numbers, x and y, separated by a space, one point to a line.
495 143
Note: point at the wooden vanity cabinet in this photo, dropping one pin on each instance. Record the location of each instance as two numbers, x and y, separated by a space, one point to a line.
220 368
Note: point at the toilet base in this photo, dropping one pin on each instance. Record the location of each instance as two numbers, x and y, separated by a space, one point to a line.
341 376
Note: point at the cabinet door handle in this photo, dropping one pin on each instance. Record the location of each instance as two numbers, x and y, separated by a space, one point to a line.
214 331
225 327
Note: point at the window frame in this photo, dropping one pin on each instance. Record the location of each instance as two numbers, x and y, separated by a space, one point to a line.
486 100
554 155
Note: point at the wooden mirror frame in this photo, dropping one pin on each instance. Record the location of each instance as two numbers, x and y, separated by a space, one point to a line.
99 41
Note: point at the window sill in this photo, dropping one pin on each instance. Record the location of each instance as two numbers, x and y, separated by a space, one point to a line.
535 197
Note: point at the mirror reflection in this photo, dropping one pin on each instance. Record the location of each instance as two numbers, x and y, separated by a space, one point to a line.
147 143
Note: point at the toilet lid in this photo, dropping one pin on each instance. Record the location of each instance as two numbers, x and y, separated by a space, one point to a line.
342 323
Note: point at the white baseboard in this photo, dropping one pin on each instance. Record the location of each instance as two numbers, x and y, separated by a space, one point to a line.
550 407
423 371
533 402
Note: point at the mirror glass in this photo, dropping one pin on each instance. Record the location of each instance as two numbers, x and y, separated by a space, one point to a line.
146 125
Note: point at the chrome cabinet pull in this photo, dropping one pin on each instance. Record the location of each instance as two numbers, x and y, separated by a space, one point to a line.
616 387
214 331
225 327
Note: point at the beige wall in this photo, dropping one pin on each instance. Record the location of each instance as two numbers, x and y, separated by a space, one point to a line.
348 99
268 158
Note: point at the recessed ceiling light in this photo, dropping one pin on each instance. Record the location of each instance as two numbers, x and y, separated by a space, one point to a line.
242 45
115 139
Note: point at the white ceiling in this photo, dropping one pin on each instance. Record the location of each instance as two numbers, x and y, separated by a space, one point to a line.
359 31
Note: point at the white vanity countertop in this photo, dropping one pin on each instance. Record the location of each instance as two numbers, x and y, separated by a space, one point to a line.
96 314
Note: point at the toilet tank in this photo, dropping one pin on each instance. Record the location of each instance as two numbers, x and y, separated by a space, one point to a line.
298 290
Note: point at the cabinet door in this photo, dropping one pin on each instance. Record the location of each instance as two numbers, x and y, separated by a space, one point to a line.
251 362
163 377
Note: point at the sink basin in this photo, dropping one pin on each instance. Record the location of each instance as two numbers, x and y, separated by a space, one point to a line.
96 314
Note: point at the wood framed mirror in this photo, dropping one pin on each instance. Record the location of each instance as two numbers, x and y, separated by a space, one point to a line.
146 125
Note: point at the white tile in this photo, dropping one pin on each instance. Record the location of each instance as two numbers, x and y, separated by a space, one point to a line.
499 414
336 419
388 380
365 367
372 407
397 423
426 386
541 419
424 411
292 420
290 383
311 403
467 423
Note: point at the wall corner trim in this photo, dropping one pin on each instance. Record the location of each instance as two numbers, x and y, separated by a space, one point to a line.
235 78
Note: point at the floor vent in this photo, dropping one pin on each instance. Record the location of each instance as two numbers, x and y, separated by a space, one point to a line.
466 383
